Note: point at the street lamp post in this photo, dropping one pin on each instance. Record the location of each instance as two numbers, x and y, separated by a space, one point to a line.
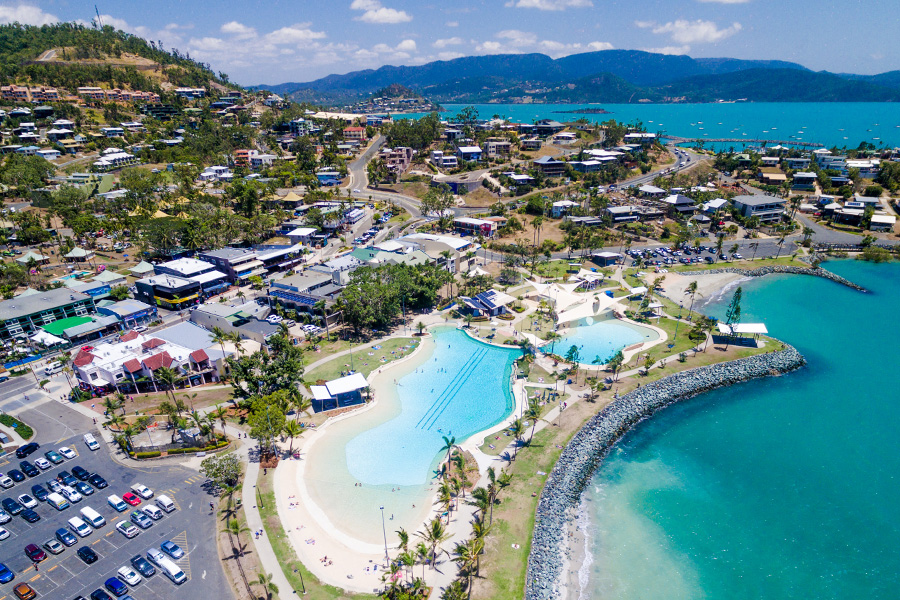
387 559
678 321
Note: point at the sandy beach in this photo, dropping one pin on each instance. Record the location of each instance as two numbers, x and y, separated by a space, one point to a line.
708 285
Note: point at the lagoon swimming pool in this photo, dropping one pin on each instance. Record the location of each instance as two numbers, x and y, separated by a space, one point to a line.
602 338
463 388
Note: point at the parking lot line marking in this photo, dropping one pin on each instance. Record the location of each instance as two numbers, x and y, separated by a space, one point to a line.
94 543
51 568
110 533
38 576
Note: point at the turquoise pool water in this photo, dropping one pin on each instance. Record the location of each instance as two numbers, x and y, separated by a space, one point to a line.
602 338
464 388
783 488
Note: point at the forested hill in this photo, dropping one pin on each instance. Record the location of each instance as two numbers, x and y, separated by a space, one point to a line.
85 56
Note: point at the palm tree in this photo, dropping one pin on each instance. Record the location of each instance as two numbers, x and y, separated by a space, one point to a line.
481 499
422 555
293 430
421 327
219 413
265 581
169 378
780 242
517 430
719 241
435 534
301 405
320 305
408 560
692 290
111 404
755 246
732 250
445 497
219 336
235 338
534 412
449 444
235 529
466 558
403 536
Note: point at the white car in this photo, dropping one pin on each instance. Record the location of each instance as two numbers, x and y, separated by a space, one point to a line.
67 452
129 576
274 319
4 533
27 501
127 528
142 490
42 463
4 516
153 512
70 494
6 482
155 555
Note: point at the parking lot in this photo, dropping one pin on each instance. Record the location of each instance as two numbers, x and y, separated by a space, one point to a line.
191 525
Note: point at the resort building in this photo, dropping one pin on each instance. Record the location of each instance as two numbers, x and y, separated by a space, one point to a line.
130 313
242 319
766 208
470 226
22 316
168 291
487 304
346 391
549 166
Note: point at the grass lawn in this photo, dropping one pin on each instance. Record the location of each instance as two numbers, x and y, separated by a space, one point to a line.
741 264
290 564
391 350
556 269
148 403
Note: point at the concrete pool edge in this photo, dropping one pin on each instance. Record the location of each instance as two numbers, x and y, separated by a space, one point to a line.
296 503
626 352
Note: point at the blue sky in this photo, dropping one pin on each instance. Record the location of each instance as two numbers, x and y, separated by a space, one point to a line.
276 41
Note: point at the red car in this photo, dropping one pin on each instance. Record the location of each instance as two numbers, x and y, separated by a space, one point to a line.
35 553
131 499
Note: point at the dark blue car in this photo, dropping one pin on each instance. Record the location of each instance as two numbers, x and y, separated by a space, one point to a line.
116 587
5 574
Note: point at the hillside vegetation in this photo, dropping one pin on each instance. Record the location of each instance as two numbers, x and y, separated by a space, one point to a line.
95 57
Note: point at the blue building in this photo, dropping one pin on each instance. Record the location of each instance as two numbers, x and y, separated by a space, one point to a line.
346 391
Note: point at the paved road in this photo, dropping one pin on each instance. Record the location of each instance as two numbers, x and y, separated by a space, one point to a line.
192 526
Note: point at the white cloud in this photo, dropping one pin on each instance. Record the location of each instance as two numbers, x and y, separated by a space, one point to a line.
238 30
726 1
375 12
443 43
449 55
679 50
407 46
452 23
294 34
168 35
26 15
549 4
514 41
683 31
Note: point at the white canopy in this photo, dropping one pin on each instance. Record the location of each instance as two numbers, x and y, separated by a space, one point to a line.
748 328
46 339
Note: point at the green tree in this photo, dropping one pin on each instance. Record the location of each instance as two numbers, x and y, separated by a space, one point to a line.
120 292
223 470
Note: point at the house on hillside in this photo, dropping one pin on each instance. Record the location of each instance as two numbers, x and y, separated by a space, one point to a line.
766 208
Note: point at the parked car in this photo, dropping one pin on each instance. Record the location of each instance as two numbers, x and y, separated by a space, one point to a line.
4 533
83 488
127 529
140 519
29 469
144 568
67 452
4 516
152 512
172 549
97 481
115 586
65 478
23 591
53 546
39 492
11 506
129 575
99 594
34 552
66 537
30 516
80 473
5 574
86 554
53 456
131 498
142 490
27 501
27 449
42 463
16 475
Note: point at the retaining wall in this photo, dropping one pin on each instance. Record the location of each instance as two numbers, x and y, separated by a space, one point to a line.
580 459
817 272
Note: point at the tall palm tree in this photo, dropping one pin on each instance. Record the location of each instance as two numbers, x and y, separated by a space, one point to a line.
464 556
111 404
449 444
692 290
517 429
780 242
403 536
169 378
422 555
534 412
235 338
293 430
755 246
320 306
220 336
434 535
235 529
265 582
219 413
481 499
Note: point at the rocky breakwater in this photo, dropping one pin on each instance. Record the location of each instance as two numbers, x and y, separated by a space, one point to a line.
580 459
816 272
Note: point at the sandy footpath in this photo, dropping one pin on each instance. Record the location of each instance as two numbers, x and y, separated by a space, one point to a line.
708 285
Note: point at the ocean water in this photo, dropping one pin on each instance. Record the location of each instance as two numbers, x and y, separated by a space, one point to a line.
829 123
781 488
601 339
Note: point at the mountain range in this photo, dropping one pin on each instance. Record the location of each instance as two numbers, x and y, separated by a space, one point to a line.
619 76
